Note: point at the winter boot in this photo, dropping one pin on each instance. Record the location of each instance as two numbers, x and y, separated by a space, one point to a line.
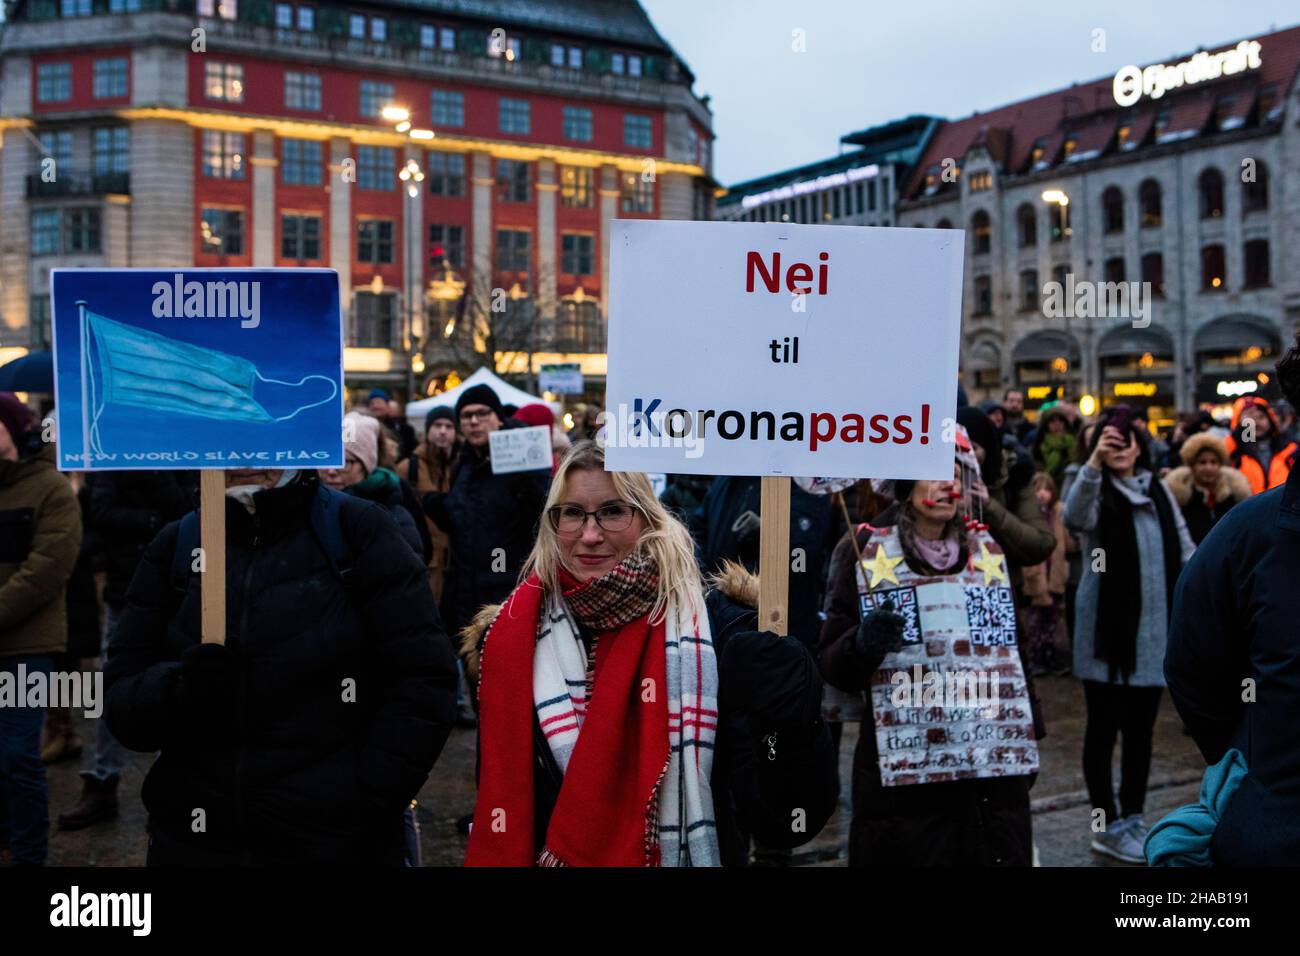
98 802
61 741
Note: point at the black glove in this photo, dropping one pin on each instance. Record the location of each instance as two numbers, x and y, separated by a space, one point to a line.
770 678
210 690
747 528
879 633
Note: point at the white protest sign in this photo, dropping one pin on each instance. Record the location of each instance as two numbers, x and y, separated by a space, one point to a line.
777 349
520 449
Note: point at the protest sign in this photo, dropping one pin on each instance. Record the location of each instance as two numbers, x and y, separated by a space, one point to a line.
777 349
563 378
197 368
520 449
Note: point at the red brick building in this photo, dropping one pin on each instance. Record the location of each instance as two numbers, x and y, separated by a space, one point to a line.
471 219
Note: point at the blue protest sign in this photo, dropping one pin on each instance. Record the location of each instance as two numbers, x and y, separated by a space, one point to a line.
197 368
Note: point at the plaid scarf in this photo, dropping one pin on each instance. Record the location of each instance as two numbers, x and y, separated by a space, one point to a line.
636 753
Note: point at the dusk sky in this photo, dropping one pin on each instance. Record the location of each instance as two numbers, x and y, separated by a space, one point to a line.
868 63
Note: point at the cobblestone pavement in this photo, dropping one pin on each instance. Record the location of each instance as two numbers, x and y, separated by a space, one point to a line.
1061 807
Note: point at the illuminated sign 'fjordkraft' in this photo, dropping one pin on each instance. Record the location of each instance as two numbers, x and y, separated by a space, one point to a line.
1132 82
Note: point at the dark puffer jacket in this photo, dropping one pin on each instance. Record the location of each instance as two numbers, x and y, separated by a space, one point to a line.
301 766
1234 621
753 797
491 521
962 823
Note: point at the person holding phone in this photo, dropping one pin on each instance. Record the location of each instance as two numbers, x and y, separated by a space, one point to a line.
1134 542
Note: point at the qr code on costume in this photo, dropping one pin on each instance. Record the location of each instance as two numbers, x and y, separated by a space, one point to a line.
991 614
904 604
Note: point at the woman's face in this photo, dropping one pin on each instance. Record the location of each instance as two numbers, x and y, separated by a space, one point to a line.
1055 426
1121 456
1044 496
1205 469
595 551
937 500
339 478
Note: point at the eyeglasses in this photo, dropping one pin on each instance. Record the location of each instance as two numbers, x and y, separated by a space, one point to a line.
570 520
468 416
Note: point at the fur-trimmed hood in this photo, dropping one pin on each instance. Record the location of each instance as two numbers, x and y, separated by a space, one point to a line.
1232 484
1203 441
737 583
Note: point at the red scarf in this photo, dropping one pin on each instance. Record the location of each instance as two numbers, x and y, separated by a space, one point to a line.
606 803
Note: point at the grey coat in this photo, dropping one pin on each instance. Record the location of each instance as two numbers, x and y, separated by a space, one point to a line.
1082 512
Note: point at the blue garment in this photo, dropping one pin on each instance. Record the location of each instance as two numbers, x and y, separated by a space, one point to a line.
24 793
1183 837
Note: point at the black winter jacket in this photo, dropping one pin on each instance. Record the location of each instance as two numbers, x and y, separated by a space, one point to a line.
343 693
1234 620
127 510
491 521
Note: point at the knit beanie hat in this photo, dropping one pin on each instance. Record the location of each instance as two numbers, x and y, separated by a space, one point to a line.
536 415
16 417
361 438
479 395
439 412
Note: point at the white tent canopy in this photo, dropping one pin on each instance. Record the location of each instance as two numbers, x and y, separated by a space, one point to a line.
509 395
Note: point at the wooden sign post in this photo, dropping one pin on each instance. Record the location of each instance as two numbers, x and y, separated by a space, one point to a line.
212 539
774 556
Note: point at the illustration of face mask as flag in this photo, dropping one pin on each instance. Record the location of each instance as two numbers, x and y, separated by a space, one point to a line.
140 368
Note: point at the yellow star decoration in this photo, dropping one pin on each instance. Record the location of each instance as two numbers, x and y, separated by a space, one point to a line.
881 567
990 564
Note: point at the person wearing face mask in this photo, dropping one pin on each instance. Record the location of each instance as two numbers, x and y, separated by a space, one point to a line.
629 717
490 519
362 476
878 626
1205 486
1134 542
305 735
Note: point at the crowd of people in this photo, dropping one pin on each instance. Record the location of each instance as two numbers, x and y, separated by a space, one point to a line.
603 639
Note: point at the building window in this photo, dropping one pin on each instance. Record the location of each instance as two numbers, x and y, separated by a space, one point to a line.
577 123
1214 269
222 231
1112 270
1256 256
375 241
515 117
374 97
46 225
38 321
570 56
448 108
56 144
301 91
357 26
375 167
983 296
447 244
506 47
577 187
1149 203
617 63
300 162
378 29
513 250
1211 190
1061 274
982 230
1059 219
575 254
123 6
1112 210
224 82
633 65
300 237
1153 272
54 82
1029 290
373 319
513 181
636 194
578 327
112 150
223 154
110 78
1254 195
637 132
284 16
981 181
307 19
75 8
225 9
447 38
428 36
1027 226
446 174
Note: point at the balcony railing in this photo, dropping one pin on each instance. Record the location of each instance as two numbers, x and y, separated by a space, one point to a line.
99 184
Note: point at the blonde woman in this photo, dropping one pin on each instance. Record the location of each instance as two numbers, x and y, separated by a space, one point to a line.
621 706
